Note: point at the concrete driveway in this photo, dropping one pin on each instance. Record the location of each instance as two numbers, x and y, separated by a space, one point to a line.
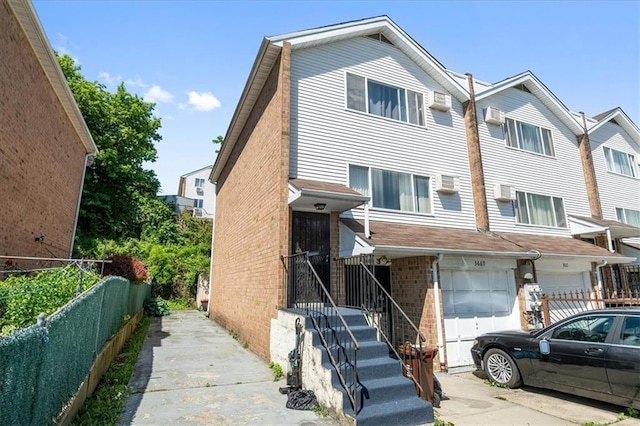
474 402
191 371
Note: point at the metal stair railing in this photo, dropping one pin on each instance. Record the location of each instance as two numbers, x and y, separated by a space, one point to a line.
307 292
403 338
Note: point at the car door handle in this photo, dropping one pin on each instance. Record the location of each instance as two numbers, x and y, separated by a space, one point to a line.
593 351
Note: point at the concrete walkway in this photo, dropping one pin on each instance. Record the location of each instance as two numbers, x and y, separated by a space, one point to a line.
191 371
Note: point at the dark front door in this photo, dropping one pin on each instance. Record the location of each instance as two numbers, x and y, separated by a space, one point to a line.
311 233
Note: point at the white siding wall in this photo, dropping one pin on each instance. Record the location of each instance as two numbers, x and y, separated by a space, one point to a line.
615 190
326 137
561 176
208 195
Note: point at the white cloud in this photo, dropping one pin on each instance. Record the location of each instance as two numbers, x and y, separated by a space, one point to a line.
136 83
205 101
108 77
157 94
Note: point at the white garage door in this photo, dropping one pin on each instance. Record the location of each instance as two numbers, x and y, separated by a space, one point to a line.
565 286
476 302
557 283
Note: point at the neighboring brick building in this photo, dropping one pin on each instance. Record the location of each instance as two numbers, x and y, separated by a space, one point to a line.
44 141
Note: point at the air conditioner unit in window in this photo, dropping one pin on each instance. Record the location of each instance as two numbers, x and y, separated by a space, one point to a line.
447 184
502 192
197 212
199 189
439 101
493 116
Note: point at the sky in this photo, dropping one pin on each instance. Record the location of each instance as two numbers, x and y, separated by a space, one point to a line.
192 58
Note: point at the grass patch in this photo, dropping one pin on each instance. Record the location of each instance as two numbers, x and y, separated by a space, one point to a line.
440 422
104 406
495 384
321 411
180 305
276 369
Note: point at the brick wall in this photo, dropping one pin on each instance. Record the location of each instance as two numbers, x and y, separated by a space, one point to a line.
412 288
41 156
252 218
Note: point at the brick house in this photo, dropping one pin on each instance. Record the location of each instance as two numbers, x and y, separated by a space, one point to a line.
44 142
351 140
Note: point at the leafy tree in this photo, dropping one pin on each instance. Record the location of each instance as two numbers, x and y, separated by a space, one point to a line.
218 143
116 186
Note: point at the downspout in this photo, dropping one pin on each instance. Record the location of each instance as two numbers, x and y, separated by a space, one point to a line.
599 278
610 241
367 231
436 302
88 160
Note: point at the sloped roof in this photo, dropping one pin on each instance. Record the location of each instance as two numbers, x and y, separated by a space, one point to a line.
621 118
271 47
315 185
196 171
390 236
538 89
604 222
28 19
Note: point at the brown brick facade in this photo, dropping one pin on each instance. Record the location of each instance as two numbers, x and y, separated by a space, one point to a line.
41 155
412 289
252 218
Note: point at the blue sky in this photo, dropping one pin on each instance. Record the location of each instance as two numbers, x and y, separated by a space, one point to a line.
193 57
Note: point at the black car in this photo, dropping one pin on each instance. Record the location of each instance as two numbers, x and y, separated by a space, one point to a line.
595 354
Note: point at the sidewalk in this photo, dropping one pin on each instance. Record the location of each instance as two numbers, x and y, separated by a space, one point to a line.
474 402
191 371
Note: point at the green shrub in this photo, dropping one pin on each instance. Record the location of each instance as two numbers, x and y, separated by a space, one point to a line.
156 307
23 298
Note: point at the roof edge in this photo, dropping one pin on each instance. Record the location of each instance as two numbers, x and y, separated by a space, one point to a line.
629 126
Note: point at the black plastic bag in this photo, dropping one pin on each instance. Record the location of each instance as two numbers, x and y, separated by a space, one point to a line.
302 400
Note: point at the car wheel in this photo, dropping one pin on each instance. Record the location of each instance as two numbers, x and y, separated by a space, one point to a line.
500 368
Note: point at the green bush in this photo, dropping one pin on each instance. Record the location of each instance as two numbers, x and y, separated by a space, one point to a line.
23 298
156 307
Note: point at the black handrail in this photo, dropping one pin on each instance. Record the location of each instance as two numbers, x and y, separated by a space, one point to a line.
404 339
306 291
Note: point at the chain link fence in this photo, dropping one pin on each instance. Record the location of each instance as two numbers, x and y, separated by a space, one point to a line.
42 366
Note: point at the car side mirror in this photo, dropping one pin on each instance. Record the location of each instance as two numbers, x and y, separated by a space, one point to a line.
545 349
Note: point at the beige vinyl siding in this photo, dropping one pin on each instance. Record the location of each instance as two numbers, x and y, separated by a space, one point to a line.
559 176
326 136
615 190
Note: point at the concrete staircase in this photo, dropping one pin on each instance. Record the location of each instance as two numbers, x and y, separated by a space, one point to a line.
385 397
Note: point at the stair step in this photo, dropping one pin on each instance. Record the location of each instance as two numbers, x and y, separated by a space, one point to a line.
383 390
406 411
367 350
360 332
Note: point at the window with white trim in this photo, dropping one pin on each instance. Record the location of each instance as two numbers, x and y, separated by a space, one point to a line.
628 216
620 162
384 100
199 182
528 137
392 190
198 202
543 210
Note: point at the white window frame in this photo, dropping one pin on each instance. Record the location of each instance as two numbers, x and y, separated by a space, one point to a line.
622 213
419 103
412 176
612 165
198 202
515 142
517 207
199 180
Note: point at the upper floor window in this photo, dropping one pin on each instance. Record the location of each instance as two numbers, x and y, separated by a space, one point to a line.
392 190
199 182
198 202
387 101
528 137
620 162
534 209
628 216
